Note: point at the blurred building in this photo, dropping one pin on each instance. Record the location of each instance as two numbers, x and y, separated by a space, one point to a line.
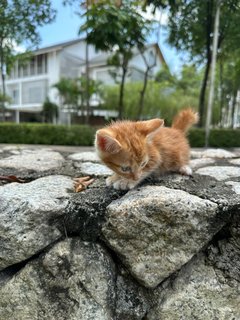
28 85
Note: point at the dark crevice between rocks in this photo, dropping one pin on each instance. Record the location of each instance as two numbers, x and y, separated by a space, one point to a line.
85 213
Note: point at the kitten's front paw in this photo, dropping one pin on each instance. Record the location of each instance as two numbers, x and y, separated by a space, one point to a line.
123 184
110 180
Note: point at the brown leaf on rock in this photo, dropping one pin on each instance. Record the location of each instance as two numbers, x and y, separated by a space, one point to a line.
12 179
82 183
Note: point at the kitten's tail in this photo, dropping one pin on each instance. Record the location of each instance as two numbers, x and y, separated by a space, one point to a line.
185 119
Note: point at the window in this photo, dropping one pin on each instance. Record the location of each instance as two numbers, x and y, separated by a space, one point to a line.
32 67
35 66
34 91
25 70
41 63
13 92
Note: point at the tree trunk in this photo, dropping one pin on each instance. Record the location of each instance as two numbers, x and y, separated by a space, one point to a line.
222 102
201 107
145 82
142 94
234 107
213 70
3 81
121 90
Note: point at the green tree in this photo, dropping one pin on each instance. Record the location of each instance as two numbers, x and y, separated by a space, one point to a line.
19 24
50 111
191 28
119 29
163 99
69 93
75 92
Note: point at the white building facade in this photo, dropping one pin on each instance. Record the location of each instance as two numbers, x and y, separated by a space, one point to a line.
30 84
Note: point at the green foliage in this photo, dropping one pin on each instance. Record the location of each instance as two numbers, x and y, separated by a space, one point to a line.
50 110
219 138
80 135
225 138
27 133
196 137
4 98
162 99
118 28
73 92
69 92
19 23
108 25
84 135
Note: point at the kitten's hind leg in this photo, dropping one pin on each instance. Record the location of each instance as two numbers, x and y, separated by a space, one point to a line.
186 170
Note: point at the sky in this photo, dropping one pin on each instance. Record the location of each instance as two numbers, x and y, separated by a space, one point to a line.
66 27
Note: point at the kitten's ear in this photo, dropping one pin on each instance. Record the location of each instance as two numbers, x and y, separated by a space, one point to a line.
149 126
105 143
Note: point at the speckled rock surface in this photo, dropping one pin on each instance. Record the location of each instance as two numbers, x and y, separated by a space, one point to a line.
220 172
96 169
28 212
73 280
156 230
168 249
36 160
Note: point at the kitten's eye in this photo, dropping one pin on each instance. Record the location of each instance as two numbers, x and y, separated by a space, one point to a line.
143 164
126 169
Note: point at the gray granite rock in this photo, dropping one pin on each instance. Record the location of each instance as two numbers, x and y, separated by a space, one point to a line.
156 230
73 281
220 173
87 156
28 216
235 186
96 169
36 160
199 292
213 153
235 161
202 162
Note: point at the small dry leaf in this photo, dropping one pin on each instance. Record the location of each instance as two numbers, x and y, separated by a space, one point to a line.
82 183
12 179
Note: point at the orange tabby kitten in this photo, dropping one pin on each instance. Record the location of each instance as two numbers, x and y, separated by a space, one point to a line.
134 150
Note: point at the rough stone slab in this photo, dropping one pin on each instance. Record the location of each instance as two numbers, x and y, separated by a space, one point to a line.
95 169
88 156
235 186
36 160
220 173
74 280
213 153
202 162
199 292
235 161
27 214
155 230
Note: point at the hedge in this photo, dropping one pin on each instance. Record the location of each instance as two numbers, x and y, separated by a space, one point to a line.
218 138
28 133
79 135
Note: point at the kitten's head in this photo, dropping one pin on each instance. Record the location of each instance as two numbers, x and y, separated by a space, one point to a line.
123 146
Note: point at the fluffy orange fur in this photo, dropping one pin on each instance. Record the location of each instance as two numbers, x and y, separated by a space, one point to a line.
134 150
